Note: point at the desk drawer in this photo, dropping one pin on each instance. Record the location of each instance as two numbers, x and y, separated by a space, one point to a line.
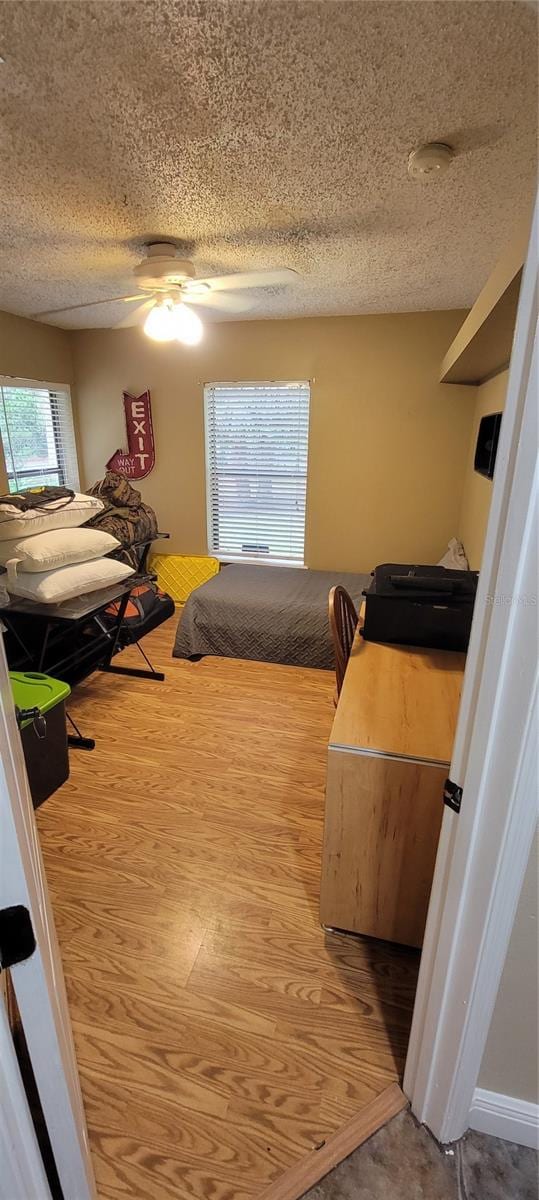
382 825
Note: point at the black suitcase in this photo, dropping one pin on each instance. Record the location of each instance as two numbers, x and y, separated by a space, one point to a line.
420 606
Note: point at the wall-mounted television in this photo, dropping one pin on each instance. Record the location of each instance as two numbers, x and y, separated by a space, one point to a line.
487 444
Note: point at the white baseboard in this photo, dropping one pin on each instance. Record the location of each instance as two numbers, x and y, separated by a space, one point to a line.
505 1117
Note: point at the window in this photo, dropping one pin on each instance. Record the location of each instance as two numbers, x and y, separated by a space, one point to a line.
256 455
36 427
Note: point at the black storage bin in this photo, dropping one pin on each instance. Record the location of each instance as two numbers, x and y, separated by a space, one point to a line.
412 605
40 707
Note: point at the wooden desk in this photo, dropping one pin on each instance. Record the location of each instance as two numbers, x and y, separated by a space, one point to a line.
388 757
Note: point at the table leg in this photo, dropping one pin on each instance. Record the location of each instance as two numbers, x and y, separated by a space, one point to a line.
44 646
76 740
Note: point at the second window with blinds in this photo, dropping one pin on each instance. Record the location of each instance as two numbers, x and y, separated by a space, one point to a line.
36 431
256 470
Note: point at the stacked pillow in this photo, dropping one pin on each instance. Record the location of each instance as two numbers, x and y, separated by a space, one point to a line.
50 556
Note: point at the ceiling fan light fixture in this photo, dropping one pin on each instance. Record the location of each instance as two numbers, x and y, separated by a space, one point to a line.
160 324
171 285
188 327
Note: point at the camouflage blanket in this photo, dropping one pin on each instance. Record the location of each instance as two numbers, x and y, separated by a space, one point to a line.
125 515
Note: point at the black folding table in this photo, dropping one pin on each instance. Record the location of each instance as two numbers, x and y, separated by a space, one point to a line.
71 639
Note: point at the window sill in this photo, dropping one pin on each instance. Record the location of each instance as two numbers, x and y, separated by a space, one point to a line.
253 561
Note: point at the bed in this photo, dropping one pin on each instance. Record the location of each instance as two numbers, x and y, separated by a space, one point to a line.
270 614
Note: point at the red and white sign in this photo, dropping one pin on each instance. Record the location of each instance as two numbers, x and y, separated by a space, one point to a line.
139 459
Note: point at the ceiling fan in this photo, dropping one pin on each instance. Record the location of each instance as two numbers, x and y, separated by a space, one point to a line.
168 289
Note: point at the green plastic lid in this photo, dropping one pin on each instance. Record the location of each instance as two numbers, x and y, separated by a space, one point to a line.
31 690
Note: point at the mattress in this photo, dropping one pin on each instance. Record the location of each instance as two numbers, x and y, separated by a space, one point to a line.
270 614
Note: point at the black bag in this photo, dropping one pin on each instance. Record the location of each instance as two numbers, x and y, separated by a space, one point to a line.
38 497
147 608
420 606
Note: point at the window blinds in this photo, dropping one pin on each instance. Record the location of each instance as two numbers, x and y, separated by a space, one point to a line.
256 453
36 427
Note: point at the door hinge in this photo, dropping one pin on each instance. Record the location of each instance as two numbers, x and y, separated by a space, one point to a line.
17 940
452 795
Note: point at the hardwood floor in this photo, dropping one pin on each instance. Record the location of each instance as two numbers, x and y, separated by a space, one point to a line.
221 1035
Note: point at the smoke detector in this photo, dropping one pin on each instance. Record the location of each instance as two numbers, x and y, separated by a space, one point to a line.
429 161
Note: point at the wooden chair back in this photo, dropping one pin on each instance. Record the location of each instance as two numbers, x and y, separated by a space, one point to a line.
342 622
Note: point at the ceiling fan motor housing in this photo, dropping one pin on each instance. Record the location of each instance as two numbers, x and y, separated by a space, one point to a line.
162 268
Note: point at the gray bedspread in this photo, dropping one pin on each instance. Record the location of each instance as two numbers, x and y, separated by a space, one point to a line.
270 614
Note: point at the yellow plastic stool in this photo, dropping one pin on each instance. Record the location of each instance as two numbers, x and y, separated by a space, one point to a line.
180 574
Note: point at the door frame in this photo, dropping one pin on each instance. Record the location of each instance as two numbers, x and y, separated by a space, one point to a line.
484 850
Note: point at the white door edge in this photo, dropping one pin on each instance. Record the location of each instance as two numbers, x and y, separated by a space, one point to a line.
38 981
22 1174
483 851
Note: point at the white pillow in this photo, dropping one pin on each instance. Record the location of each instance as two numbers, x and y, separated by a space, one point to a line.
57 548
61 514
454 557
51 587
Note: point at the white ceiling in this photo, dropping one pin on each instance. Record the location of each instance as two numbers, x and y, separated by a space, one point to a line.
262 133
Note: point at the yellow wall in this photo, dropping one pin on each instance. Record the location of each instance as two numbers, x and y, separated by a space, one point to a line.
387 448
511 1056
29 350
477 491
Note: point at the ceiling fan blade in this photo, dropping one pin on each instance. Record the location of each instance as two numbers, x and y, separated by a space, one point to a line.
133 317
267 277
220 301
53 312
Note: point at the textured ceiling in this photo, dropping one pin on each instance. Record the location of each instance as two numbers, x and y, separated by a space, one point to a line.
261 134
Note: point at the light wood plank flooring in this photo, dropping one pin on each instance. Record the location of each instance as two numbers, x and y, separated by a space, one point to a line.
220 1033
